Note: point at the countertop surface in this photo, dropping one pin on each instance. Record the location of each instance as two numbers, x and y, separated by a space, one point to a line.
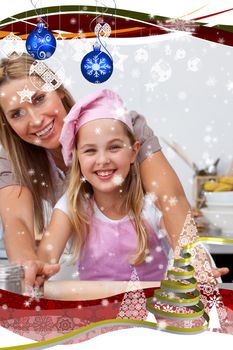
217 248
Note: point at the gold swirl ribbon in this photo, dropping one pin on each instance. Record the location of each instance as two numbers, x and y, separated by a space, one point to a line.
178 290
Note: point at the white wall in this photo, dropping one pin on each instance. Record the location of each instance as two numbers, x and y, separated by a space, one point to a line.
183 85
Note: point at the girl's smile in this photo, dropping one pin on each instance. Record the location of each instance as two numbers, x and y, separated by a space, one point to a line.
105 174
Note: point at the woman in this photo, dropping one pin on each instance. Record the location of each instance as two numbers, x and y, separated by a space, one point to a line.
33 170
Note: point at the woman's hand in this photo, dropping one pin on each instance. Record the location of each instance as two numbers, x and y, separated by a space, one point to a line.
36 271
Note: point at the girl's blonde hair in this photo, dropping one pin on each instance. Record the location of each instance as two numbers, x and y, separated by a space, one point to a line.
25 156
79 193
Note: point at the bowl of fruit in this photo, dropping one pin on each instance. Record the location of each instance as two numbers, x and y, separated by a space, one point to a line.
219 193
219 203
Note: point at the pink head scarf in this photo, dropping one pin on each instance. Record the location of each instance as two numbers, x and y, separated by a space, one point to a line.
104 104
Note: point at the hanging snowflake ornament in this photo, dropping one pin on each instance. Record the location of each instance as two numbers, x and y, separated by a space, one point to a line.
47 78
12 46
41 44
102 29
97 66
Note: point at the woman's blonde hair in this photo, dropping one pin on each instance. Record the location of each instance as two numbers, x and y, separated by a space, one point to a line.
79 204
25 156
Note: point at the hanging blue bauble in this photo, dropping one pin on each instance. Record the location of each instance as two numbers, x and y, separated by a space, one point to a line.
41 44
97 66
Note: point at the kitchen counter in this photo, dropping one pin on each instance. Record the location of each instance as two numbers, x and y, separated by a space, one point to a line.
217 248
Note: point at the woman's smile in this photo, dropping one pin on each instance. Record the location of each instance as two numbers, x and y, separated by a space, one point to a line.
46 131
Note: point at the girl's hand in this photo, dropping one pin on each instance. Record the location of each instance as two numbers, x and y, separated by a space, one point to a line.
221 271
36 271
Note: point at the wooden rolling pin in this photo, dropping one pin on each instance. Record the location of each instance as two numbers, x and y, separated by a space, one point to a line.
88 290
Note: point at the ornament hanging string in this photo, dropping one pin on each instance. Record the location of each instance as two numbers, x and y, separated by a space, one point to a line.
102 43
97 66
34 4
98 16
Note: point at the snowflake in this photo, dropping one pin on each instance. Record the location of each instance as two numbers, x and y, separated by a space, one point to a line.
173 201
211 81
152 15
49 247
215 300
221 40
208 289
37 141
43 324
68 82
150 198
73 20
188 324
180 54
230 86
65 324
118 59
97 66
82 179
150 86
149 154
149 258
105 302
120 111
180 25
117 180
98 131
182 95
141 55
193 64
168 308
162 325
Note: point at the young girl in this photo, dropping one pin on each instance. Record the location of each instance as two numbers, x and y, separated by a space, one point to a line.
113 226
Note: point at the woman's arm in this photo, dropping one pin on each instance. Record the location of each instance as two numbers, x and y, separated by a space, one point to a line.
159 178
16 211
